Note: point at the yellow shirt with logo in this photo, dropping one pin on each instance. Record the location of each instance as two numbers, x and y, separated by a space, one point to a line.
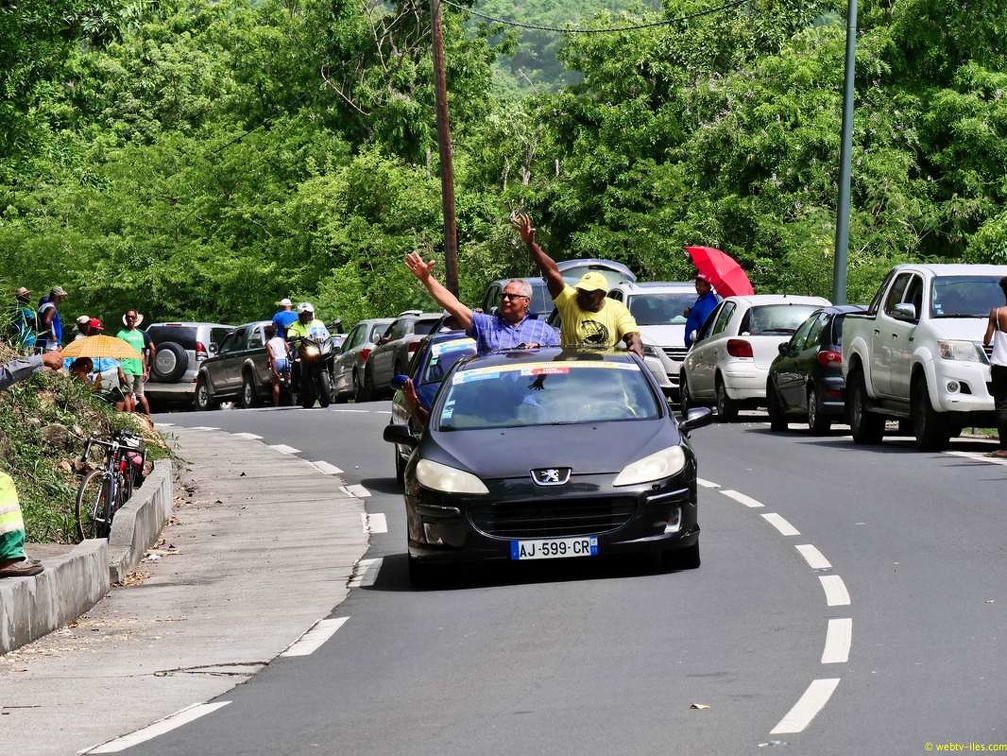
604 328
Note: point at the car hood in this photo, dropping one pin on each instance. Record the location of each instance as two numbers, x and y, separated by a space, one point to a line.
587 448
663 335
968 329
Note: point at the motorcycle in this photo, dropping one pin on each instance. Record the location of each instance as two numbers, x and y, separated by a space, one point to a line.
312 369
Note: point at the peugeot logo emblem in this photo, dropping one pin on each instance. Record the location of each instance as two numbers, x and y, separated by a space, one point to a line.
551 476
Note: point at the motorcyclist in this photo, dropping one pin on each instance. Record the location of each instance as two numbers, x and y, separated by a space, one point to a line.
308 328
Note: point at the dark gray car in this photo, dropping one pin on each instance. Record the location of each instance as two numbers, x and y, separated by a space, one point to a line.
395 348
238 370
351 356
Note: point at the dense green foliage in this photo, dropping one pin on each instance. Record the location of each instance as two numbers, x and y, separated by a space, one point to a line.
201 159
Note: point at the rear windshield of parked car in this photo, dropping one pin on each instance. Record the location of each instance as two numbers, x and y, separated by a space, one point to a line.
546 393
183 335
775 319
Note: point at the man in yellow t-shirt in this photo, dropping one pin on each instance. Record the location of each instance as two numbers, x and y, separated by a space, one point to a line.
589 317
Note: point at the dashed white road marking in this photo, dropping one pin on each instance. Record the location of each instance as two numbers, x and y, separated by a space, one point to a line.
979 457
835 590
204 427
807 707
327 468
838 639
781 524
249 436
357 490
284 449
816 560
169 723
165 425
748 501
365 573
707 483
316 635
374 523
354 411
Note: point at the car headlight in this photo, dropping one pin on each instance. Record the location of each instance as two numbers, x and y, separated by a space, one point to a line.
964 351
440 477
662 464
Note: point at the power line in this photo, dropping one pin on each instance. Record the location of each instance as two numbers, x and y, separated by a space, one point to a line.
606 30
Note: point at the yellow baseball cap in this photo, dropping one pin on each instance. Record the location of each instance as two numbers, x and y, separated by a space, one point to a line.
592 281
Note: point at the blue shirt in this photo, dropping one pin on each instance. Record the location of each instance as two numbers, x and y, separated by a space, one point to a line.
699 313
492 333
282 321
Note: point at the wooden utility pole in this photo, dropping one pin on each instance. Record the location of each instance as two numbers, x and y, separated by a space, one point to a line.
447 165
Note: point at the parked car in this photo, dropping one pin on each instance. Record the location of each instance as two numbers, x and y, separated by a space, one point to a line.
433 359
627 486
181 348
395 348
541 301
351 356
730 357
657 307
238 370
540 304
805 380
614 272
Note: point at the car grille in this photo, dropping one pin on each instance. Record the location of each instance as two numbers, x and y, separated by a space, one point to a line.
675 353
552 519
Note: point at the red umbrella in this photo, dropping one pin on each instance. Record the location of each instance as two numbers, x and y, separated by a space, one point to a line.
721 270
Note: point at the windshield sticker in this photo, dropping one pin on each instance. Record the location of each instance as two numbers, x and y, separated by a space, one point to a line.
538 368
479 374
451 346
552 370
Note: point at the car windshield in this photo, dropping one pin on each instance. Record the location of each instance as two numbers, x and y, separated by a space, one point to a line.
764 320
443 355
964 296
546 393
660 309
426 327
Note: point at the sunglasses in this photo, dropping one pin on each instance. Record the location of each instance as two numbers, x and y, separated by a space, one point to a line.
506 295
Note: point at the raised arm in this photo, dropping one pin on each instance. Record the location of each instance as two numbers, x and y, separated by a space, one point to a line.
443 297
553 278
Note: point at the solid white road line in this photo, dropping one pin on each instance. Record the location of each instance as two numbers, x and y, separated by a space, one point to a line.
365 573
358 490
249 436
316 635
748 501
327 468
284 449
979 457
707 483
374 523
169 723
807 707
835 590
778 522
838 639
816 560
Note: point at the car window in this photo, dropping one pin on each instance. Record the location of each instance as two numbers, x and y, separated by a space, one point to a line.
443 355
376 331
233 340
719 325
660 309
615 294
255 337
398 329
353 338
426 326
914 295
895 293
776 319
836 336
183 335
800 339
815 333
217 336
547 393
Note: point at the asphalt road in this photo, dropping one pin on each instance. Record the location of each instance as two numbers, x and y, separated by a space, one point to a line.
851 600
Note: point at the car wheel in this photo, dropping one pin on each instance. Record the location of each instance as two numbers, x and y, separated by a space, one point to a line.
777 420
369 387
929 426
727 408
249 398
682 559
818 421
360 388
866 427
204 400
170 362
685 398
324 388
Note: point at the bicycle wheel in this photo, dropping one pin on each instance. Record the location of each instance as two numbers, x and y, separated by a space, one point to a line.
94 505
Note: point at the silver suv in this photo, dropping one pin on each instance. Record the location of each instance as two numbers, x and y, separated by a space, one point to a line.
658 309
181 347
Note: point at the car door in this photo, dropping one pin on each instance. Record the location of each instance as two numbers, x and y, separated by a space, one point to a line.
710 342
885 336
256 352
342 365
787 367
902 341
219 370
383 355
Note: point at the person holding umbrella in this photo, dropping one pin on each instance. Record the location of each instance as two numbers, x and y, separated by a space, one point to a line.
706 301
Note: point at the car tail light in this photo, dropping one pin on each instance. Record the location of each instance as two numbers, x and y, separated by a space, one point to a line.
201 353
739 348
826 359
364 354
413 347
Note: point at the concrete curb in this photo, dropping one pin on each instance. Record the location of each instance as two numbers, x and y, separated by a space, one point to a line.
31 607
137 524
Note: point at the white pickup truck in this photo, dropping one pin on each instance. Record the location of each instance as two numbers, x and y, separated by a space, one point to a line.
916 354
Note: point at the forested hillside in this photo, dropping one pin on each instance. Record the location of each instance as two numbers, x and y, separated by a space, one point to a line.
202 159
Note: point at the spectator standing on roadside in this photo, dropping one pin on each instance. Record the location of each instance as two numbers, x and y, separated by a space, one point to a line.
50 328
136 371
277 359
285 318
589 317
83 325
24 325
706 301
13 561
996 334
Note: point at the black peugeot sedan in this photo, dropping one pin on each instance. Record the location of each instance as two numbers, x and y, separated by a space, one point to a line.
546 454
805 381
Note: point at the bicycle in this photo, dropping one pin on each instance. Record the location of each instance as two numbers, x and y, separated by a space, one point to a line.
105 489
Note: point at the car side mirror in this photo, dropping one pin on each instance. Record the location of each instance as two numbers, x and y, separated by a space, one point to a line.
398 381
213 349
399 434
784 347
696 417
904 311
